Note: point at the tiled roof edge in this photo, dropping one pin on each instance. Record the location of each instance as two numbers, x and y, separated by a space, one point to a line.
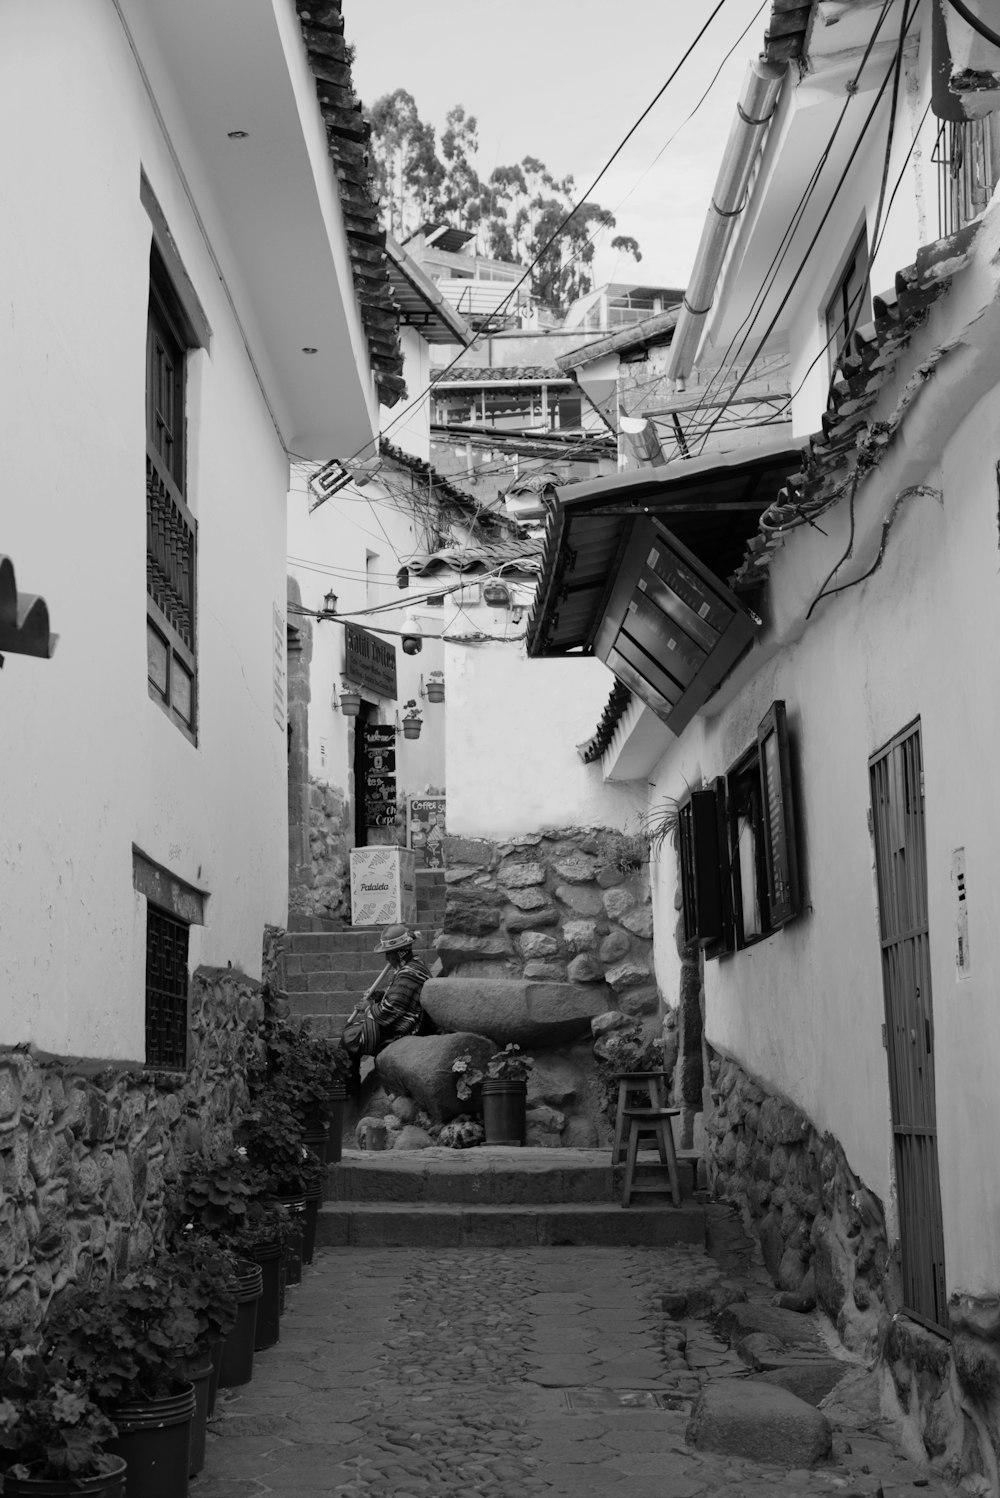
347 135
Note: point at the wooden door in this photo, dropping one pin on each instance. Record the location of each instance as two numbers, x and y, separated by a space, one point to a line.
897 792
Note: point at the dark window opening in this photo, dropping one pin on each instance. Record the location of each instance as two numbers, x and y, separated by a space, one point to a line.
166 990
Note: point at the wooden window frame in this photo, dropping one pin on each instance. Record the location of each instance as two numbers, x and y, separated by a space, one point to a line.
838 303
171 528
756 791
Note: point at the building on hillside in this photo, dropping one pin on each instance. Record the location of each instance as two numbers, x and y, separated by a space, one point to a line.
488 293
801 681
620 304
223 311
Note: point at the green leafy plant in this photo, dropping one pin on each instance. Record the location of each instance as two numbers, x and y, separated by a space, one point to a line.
508 1065
271 1133
626 1049
302 1068
214 1192
129 1341
410 709
50 1425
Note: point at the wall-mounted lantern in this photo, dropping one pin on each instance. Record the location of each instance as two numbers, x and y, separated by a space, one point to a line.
330 603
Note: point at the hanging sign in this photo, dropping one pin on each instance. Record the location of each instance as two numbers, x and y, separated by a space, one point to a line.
379 755
369 662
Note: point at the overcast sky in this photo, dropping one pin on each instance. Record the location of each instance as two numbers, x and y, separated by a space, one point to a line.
565 80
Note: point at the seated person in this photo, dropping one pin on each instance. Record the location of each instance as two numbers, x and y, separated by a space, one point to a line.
391 1008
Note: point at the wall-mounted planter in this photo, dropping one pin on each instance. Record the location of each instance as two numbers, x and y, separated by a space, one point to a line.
411 728
350 704
435 691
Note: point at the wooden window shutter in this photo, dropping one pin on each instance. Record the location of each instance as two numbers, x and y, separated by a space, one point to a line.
781 858
701 881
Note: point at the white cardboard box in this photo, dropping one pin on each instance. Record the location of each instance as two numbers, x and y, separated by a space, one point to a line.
383 886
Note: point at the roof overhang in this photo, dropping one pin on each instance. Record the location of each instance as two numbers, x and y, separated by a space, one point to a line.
269 202
420 303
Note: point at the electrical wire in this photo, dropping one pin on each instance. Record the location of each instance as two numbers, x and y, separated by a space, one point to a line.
971 19
477 334
893 73
730 358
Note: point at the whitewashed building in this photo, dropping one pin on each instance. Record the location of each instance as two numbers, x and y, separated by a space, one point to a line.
187 302
802 634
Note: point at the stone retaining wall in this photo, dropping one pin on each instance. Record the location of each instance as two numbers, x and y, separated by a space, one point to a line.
88 1149
823 1238
323 886
570 905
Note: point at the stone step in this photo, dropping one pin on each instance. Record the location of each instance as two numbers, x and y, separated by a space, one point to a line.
440 1225
482 1177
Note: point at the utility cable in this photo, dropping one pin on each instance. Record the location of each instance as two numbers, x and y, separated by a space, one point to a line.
716 383
477 334
892 73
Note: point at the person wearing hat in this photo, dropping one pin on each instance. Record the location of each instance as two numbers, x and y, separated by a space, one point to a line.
391 1007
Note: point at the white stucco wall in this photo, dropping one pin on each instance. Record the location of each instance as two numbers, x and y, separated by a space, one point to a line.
512 727
91 766
804 1008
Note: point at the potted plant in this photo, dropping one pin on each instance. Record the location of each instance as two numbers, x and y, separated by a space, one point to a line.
309 1073
286 1168
435 686
53 1435
131 1343
210 1276
504 1091
350 698
412 720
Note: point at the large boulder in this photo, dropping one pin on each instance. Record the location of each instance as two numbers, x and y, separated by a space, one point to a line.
527 1014
420 1067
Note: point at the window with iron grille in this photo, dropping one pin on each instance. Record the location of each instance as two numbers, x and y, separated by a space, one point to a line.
737 848
967 157
171 531
166 990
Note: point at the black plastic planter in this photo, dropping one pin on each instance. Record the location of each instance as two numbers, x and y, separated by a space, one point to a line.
154 1438
505 1106
237 1349
111 1485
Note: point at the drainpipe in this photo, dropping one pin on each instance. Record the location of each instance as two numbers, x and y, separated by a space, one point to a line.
746 137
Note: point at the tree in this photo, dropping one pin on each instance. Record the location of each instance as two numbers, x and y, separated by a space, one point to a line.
514 214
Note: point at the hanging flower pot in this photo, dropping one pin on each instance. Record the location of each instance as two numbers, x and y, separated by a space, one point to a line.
350 704
412 727
435 687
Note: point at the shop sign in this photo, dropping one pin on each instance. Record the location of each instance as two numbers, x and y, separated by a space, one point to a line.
369 662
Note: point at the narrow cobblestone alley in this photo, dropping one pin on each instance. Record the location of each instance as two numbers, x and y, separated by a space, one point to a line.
446 1372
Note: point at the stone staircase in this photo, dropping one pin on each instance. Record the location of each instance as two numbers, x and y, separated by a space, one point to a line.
325 972
495 1197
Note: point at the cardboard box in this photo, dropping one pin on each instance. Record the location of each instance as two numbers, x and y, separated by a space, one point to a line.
383 886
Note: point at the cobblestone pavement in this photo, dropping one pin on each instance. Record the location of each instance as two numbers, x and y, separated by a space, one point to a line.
422 1373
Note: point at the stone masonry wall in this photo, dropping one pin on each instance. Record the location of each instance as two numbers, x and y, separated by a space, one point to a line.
569 905
823 1238
88 1150
325 889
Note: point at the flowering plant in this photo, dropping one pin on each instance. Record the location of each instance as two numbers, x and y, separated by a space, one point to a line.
50 1426
410 708
508 1065
280 1162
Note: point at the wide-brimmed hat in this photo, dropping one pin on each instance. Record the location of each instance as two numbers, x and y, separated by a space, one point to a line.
396 937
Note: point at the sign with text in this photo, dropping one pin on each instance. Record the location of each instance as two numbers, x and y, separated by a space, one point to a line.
379 756
369 662
427 829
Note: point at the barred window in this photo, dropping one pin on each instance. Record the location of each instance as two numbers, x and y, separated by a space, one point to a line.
171 531
166 990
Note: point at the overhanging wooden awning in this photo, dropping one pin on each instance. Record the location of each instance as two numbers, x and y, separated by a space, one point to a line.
634 571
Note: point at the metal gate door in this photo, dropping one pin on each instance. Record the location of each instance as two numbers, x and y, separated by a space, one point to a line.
897 791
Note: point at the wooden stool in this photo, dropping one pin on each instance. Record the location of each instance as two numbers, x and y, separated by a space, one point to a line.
655 1121
655 1083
